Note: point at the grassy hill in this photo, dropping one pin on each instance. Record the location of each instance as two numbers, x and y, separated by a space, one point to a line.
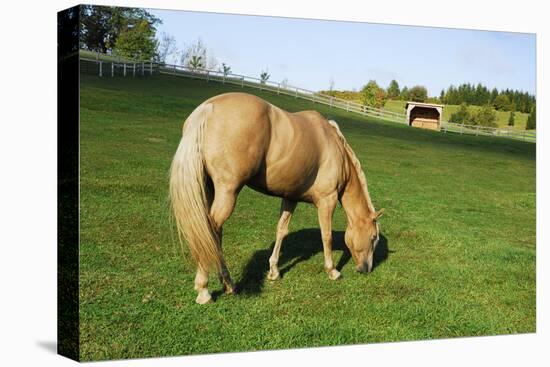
456 258
448 110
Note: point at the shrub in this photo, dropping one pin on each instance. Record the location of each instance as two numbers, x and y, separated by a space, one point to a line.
486 116
462 116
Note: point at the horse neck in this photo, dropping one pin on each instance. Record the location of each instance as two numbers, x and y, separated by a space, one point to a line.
355 199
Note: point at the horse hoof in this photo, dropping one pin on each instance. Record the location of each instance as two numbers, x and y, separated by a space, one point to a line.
230 290
204 298
334 274
273 275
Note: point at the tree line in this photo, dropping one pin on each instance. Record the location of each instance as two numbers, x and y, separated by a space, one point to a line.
480 95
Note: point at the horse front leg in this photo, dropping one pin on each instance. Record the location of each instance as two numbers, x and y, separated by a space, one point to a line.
287 208
325 210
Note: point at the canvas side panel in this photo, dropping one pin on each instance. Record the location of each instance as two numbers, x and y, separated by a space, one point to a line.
67 182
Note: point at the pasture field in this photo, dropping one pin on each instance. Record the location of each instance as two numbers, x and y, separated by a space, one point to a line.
456 256
501 116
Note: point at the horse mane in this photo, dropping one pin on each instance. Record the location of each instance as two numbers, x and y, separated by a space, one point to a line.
356 164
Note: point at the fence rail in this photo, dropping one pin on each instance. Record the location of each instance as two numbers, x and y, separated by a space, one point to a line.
111 68
525 135
281 88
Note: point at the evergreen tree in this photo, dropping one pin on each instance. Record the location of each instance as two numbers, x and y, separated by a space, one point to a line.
532 119
502 102
512 118
404 95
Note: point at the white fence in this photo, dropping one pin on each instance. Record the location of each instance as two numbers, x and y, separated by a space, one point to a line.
281 88
525 135
111 68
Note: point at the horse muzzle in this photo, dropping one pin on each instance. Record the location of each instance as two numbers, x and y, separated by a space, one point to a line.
365 268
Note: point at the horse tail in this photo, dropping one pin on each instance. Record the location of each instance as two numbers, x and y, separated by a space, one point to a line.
188 193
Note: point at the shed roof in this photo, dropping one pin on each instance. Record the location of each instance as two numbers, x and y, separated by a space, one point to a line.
421 104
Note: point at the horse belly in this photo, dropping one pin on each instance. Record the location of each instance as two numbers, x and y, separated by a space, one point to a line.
290 175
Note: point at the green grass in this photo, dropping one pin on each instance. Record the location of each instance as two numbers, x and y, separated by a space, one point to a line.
448 110
100 56
457 257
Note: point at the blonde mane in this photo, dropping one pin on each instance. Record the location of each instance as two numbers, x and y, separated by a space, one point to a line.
356 164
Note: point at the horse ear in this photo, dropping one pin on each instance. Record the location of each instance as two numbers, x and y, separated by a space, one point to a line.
378 214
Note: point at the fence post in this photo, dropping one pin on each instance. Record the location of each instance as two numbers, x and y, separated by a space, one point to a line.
124 72
151 68
461 128
223 79
477 130
174 72
142 68
331 101
100 68
523 135
347 106
207 76
313 97
296 94
278 87
134 69
112 69
242 82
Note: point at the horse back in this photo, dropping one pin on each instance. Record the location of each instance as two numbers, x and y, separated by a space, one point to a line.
291 155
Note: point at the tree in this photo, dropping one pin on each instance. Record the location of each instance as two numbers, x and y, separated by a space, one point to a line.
137 42
404 95
532 119
502 103
486 116
195 52
462 116
284 83
331 84
196 63
372 95
442 96
264 76
512 118
380 98
100 26
166 47
393 90
418 93
226 69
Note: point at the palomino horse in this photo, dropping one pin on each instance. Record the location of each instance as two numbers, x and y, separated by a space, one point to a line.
238 139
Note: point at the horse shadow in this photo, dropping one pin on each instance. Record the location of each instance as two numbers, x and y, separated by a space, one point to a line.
298 247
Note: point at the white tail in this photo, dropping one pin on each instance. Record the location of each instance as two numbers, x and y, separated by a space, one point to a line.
188 193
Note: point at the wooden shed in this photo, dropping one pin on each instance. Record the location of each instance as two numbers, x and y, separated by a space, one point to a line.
424 115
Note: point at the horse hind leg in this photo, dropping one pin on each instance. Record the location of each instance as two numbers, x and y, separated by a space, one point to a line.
201 286
287 208
222 207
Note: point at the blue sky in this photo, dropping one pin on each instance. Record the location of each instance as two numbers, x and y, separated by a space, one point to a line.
311 52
